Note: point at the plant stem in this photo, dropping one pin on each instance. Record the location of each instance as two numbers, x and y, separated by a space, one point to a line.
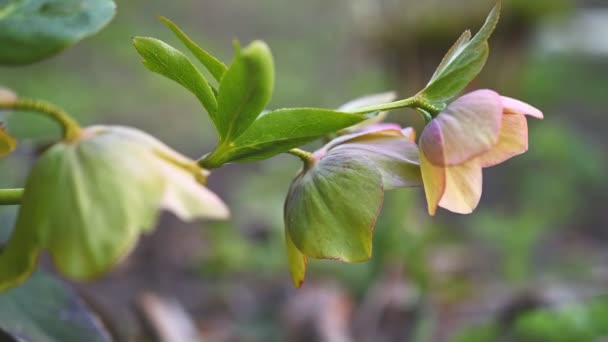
305 156
71 129
427 109
10 196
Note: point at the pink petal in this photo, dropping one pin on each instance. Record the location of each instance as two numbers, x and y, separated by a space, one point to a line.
513 140
433 178
513 106
462 188
467 128
384 129
409 133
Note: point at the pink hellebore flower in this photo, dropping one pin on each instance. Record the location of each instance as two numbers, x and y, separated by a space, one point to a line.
480 129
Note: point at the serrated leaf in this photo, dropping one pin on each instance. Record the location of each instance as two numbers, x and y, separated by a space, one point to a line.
87 202
165 60
31 30
215 67
331 208
462 63
45 310
283 129
245 90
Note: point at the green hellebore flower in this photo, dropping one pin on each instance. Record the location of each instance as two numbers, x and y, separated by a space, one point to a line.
334 201
478 130
87 201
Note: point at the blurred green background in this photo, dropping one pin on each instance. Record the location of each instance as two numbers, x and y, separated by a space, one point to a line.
529 265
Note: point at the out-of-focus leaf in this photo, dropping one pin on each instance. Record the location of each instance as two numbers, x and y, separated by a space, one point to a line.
87 202
462 63
331 208
215 67
581 321
245 90
281 130
31 30
44 310
165 60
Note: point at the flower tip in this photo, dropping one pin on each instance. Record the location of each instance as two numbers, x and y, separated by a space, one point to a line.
7 97
514 106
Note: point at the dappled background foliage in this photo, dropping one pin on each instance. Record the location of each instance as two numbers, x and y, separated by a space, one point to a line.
530 259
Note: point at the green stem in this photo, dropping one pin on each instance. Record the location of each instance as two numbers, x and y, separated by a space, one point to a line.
10 196
427 109
71 129
305 156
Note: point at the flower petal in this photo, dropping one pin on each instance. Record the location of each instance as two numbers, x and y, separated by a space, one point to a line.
297 261
332 207
462 188
187 198
467 128
433 178
513 106
513 140
396 157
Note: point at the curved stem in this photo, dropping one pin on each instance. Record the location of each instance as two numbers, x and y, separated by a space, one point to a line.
10 196
413 102
305 156
71 129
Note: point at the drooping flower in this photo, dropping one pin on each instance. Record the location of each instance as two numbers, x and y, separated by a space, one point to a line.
334 201
478 130
87 201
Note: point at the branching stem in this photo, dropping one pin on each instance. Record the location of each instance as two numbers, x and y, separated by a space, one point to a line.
10 196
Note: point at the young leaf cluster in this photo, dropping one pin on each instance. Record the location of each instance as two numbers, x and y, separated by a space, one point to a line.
237 106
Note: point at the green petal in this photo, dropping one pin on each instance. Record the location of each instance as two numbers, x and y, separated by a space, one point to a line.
297 262
331 208
394 155
87 202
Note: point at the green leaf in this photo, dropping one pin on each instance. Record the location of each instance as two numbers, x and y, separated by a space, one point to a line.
215 67
331 208
462 63
281 130
87 202
245 90
165 60
45 310
31 30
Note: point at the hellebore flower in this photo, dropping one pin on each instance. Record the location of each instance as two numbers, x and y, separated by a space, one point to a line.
87 201
480 129
334 201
